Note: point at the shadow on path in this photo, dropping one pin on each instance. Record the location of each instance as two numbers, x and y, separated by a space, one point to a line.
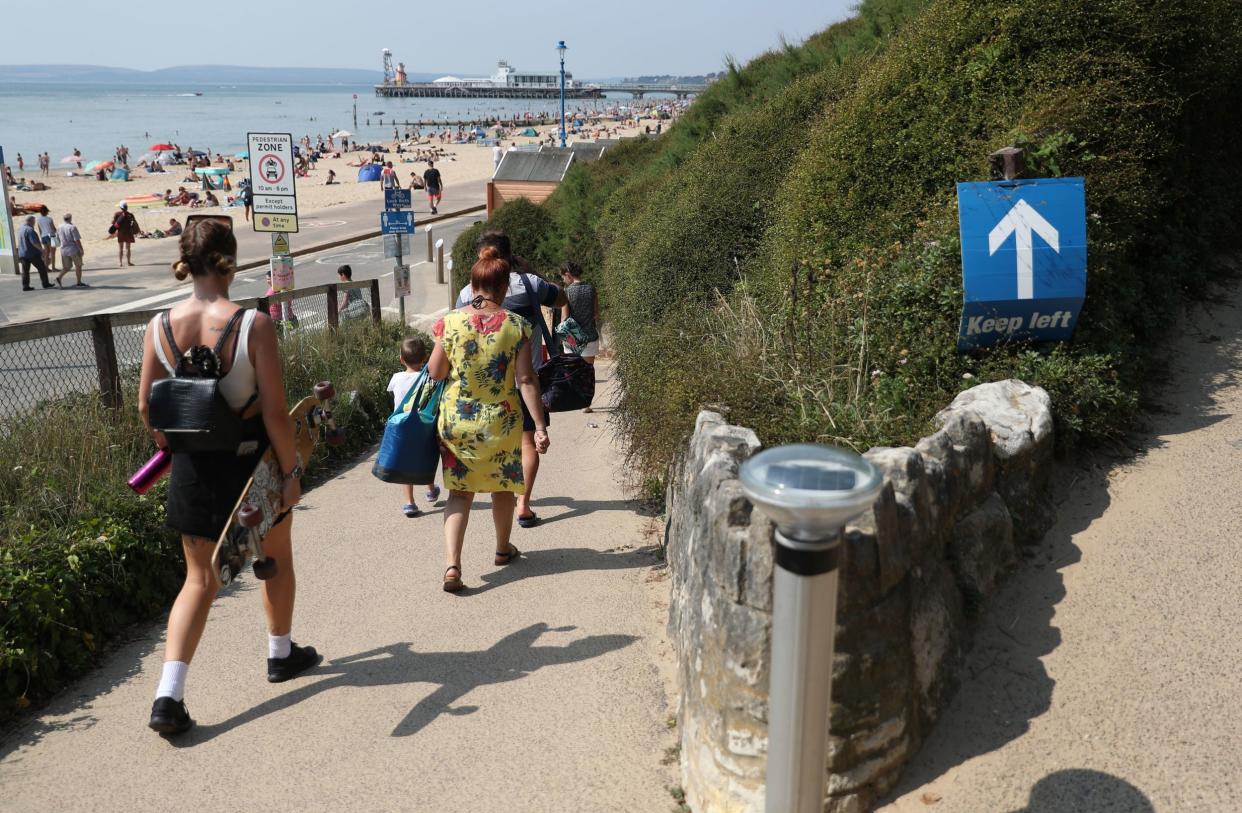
1086 790
552 561
1004 685
456 674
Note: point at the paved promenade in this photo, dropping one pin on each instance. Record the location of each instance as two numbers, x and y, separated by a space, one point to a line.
534 690
1105 675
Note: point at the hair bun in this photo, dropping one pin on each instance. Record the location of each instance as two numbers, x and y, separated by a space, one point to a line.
489 253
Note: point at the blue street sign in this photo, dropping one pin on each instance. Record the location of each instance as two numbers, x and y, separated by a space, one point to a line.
1024 260
397 222
397 199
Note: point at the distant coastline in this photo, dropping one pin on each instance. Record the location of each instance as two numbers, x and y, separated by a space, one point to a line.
187 74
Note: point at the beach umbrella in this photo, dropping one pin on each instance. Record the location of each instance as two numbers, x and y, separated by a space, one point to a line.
94 165
70 159
197 152
161 147
342 134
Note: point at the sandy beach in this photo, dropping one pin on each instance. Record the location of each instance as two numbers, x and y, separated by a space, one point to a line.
93 202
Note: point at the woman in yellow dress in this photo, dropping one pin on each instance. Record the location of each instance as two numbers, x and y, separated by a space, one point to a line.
479 350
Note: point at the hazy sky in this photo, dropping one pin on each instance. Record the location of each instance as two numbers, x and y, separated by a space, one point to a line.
468 36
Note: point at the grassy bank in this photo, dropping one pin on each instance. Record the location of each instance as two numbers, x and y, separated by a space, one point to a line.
789 253
82 557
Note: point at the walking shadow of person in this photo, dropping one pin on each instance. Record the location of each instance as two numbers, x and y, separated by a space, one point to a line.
1080 790
456 674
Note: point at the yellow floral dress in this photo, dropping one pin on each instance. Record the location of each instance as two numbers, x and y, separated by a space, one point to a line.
480 414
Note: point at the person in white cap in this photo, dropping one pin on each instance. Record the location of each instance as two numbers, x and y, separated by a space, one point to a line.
125 228
70 240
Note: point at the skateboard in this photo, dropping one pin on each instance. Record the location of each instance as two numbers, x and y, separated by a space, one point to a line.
259 507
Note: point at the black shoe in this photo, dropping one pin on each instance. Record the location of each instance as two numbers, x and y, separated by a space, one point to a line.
48 285
27 288
300 659
170 716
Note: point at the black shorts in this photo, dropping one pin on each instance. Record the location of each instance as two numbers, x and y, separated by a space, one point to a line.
204 487
528 423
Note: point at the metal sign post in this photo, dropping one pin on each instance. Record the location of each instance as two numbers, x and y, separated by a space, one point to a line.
399 223
810 492
8 240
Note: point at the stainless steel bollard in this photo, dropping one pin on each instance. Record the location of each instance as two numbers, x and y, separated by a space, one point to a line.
440 261
810 492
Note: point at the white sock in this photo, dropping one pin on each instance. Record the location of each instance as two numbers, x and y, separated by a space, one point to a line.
278 646
172 681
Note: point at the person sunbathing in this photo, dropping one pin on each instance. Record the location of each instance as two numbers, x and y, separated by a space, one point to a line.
182 198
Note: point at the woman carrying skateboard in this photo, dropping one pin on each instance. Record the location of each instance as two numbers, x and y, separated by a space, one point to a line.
238 349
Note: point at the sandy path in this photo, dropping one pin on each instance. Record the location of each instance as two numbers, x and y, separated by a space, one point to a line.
1105 676
537 690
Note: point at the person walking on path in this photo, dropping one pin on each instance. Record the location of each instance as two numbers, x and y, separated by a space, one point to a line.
47 236
204 486
30 252
388 177
413 359
581 305
518 300
125 227
71 252
434 185
480 350
580 314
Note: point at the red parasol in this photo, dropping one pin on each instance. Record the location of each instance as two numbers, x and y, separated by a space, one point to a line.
161 147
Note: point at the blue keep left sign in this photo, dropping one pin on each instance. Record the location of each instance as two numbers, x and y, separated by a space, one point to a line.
1024 260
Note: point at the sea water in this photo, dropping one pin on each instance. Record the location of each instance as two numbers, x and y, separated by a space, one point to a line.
97 118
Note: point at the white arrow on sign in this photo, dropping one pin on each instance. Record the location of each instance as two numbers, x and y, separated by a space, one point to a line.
1020 222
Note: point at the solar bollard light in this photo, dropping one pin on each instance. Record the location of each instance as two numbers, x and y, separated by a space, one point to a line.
810 492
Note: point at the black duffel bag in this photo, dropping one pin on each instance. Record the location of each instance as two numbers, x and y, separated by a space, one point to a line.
565 381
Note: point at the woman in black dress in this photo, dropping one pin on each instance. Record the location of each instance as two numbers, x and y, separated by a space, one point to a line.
221 340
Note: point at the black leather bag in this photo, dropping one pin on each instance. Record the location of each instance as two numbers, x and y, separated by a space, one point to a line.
189 408
566 382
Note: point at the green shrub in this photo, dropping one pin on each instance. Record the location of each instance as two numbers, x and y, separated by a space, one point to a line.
82 557
527 225
838 318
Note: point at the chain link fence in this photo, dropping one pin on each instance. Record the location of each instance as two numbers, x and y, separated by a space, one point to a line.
51 360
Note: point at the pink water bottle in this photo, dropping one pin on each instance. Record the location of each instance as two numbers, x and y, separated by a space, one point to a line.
151 471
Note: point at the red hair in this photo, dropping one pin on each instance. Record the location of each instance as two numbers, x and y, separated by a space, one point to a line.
490 275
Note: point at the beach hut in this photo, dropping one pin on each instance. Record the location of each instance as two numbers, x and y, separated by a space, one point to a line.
530 175
582 150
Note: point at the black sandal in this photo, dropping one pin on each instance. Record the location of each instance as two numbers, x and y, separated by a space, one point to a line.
507 558
454 584
528 521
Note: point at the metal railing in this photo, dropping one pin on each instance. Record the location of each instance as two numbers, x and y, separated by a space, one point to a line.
44 361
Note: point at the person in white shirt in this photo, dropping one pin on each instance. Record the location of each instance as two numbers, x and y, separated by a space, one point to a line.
414 358
497 154
47 236
71 252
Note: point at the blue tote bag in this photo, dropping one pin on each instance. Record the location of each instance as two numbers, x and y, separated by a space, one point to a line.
410 450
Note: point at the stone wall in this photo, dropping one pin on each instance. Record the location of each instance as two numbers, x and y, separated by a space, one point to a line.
915 571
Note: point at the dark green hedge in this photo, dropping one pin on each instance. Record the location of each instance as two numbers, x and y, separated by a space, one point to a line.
527 226
820 300
82 557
